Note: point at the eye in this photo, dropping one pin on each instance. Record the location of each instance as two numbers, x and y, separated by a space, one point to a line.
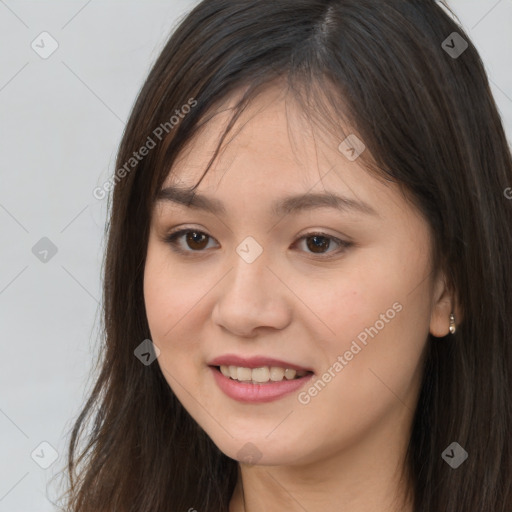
197 241
194 239
317 242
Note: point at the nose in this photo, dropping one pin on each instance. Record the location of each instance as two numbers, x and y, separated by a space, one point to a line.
252 297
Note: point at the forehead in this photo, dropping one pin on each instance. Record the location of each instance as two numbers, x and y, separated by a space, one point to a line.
272 151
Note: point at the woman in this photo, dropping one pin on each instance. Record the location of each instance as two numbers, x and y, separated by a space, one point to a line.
306 281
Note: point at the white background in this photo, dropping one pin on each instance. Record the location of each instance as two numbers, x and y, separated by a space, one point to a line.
61 119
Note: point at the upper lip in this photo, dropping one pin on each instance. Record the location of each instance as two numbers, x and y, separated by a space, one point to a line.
254 362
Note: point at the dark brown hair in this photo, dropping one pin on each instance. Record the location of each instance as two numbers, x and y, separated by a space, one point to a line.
431 125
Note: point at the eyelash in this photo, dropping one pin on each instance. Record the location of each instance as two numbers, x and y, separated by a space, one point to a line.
172 240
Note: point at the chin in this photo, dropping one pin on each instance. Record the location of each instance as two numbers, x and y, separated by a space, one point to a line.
260 452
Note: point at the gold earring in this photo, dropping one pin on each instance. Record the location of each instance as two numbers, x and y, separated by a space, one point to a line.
452 324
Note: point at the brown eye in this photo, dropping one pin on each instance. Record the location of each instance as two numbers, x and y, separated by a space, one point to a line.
196 240
318 243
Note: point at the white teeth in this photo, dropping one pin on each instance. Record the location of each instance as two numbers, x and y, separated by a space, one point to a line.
290 374
261 375
244 373
276 374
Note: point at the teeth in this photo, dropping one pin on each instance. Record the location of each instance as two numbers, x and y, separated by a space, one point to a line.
261 375
290 374
276 374
233 373
244 373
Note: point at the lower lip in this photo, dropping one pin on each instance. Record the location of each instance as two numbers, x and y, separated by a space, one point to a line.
257 393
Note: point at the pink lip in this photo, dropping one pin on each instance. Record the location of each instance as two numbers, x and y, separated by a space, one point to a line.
257 393
253 362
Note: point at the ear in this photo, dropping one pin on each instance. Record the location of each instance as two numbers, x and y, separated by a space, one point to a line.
443 304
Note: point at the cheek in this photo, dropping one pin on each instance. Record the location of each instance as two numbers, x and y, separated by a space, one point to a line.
170 294
371 289
377 318
169 299
351 298
166 307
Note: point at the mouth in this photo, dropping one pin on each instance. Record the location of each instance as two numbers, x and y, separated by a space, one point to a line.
257 378
263 375
259 385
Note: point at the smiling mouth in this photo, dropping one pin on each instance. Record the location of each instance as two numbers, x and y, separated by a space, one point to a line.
262 375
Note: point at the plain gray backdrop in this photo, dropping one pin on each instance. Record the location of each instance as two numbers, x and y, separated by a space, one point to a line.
61 119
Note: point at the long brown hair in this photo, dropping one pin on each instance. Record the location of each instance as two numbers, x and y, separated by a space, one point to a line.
430 123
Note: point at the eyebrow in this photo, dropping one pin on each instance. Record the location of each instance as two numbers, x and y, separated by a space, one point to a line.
280 207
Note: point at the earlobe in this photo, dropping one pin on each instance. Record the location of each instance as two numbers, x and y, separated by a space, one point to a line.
445 313
440 324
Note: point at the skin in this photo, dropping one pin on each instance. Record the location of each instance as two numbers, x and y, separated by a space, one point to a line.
343 449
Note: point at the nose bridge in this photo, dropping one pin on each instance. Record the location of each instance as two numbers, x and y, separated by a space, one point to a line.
249 268
251 296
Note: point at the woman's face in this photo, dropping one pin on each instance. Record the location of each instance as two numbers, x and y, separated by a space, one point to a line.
254 281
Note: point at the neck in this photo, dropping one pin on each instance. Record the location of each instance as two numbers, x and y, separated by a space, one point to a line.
362 478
